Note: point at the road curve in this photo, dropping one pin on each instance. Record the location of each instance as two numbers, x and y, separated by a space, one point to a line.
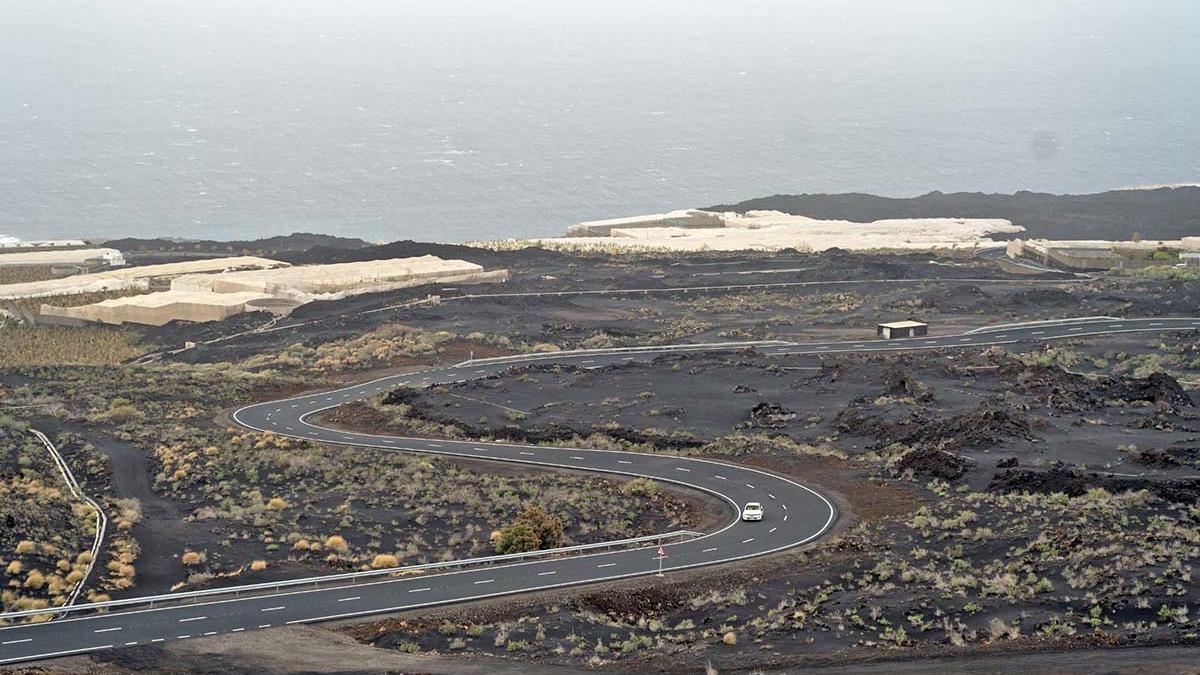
794 514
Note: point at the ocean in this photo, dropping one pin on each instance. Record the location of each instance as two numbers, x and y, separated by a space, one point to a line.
460 120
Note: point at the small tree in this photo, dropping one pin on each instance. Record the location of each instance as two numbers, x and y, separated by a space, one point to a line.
533 529
518 538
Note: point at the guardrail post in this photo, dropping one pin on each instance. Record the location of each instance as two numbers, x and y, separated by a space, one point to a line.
278 585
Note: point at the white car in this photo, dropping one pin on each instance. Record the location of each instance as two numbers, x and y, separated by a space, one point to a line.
753 511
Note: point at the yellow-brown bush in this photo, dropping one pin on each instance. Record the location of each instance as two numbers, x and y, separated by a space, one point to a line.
384 561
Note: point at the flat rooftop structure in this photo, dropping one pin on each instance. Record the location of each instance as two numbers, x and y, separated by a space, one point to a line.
902 329
46 243
308 281
677 218
129 277
1095 254
772 230
157 309
50 258
213 297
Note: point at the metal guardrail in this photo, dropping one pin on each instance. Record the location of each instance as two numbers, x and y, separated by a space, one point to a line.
351 577
541 356
1034 324
101 518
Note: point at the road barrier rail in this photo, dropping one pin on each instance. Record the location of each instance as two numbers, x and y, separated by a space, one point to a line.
348 578
101 519
664 349
1034 324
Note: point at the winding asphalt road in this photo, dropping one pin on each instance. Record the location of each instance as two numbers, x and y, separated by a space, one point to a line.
794 514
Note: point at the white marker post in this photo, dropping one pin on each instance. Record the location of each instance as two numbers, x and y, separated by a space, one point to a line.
661 554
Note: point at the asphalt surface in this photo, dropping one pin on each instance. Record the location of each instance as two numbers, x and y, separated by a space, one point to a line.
793 513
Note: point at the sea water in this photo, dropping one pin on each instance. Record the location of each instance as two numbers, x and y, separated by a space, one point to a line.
458 120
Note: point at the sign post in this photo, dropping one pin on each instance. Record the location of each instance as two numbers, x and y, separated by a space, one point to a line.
661 554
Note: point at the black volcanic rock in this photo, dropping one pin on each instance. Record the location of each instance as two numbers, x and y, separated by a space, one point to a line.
298 241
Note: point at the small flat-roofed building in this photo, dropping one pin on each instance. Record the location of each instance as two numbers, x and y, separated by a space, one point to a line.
1190 258
902 329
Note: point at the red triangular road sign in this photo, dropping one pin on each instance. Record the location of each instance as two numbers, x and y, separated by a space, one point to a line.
661 551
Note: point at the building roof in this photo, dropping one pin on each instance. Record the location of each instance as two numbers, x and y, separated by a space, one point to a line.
62 257
903 324
128 277
635 220
330 278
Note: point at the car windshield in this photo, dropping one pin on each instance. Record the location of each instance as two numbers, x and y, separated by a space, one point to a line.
753 507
